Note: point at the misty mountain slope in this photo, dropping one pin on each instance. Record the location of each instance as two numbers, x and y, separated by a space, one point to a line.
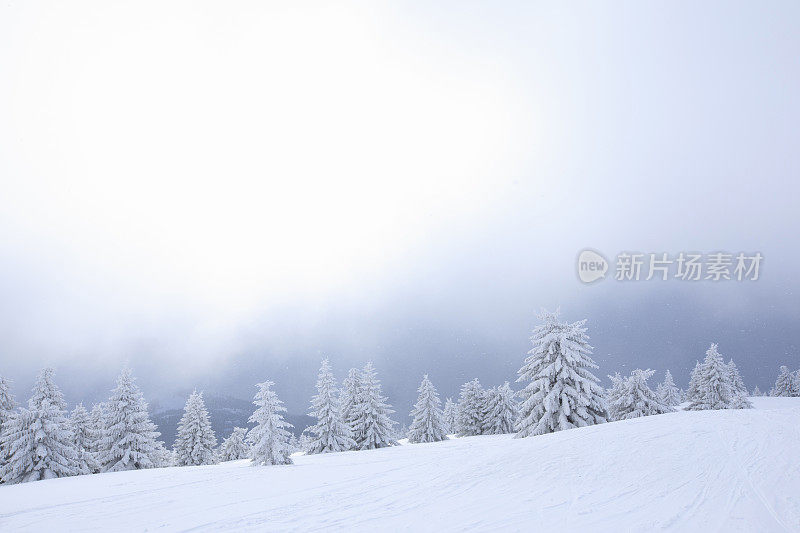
703 471
225 413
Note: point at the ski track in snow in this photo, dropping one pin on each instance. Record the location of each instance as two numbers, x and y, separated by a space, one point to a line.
686 471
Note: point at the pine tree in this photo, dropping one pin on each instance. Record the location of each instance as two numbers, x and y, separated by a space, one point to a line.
129 442
636 398
738 398
668 392
351 389
304 443
428 423
235 447
694 383
7 403
784 385
756 391
38 439
18 445
373 427
7 406
81 426
471 410
294 444
710 387
796 383
196 440
450 416
162 457
562 393
47 390
500 415
614 394
400 433
331 433
269 438
95 434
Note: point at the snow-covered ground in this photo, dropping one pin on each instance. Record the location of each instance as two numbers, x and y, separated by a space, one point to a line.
687 471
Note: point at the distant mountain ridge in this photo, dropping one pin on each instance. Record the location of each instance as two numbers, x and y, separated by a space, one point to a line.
225 413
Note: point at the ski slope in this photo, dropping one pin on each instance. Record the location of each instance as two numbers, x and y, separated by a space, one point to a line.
686 471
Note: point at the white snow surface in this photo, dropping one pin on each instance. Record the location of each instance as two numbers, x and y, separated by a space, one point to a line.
733 470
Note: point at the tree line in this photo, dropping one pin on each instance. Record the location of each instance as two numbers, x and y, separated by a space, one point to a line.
42 441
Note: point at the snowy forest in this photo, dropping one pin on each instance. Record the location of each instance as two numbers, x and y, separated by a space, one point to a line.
301 266
559 390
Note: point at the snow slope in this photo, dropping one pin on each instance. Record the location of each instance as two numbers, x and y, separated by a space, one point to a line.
686 471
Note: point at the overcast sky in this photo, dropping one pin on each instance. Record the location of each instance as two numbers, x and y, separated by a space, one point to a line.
223 193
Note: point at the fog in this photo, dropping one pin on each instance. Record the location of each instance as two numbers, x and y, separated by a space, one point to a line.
222 194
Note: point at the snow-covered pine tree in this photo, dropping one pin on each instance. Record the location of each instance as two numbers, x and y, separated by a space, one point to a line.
427 415
96 433
7 406
784 385
294 444
450 416
196 440
235 446
373 427
330 433
46 389
637 399
269 438
489 397
38 439
18 446
48 401
162 456
500 411
7 403
562 393
129 440
796 383
738 398
471 409
304 442
694 383
659 393
81 426
351 390
710 387
668 391
756 391
613 394
401 432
